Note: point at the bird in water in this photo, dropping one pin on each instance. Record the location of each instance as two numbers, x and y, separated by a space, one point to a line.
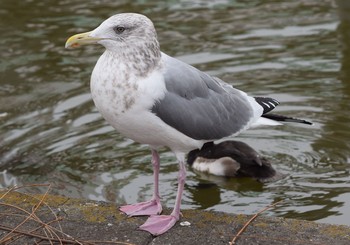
232 159
155 99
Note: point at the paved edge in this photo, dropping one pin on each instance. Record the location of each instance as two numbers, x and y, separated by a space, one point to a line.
91 222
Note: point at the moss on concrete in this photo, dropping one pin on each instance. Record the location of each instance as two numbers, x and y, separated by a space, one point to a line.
89 220
336 231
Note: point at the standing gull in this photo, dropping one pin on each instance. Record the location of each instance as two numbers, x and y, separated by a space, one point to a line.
158 100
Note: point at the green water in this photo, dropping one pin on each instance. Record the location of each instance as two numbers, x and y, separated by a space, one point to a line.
294 51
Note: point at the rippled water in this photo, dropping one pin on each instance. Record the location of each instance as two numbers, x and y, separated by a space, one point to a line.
294 51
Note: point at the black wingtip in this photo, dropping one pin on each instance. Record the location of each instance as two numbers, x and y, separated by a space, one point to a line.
281 118
268 104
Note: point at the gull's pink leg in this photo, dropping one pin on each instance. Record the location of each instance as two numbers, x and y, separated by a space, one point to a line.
159 224
153 206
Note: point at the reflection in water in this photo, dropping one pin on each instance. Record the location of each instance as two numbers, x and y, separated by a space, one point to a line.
205 195
51 132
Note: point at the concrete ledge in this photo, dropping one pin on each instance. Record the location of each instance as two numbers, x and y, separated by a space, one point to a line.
89 222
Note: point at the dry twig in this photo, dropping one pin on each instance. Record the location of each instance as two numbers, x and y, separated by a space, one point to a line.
49 234
251 220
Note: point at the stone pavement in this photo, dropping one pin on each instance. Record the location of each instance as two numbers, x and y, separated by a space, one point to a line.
62 220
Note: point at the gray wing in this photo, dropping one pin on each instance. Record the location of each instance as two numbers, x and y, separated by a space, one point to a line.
200 106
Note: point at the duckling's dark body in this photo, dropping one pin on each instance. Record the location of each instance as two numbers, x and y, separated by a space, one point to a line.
232 159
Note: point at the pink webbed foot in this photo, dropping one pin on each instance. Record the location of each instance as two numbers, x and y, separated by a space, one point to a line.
158 224
151 207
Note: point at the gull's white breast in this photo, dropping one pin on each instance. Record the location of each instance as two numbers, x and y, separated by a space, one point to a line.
125 101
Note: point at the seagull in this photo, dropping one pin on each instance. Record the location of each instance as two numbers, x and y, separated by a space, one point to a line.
232 159
155 99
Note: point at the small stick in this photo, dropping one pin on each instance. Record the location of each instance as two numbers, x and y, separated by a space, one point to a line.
36 235
251 220
8 235
50 232
65 241
8 191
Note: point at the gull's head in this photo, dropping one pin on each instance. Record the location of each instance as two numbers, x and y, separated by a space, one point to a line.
118 32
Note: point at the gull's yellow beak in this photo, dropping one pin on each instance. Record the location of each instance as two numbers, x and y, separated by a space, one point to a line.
77 40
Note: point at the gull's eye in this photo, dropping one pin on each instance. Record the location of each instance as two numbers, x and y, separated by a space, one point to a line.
119 29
